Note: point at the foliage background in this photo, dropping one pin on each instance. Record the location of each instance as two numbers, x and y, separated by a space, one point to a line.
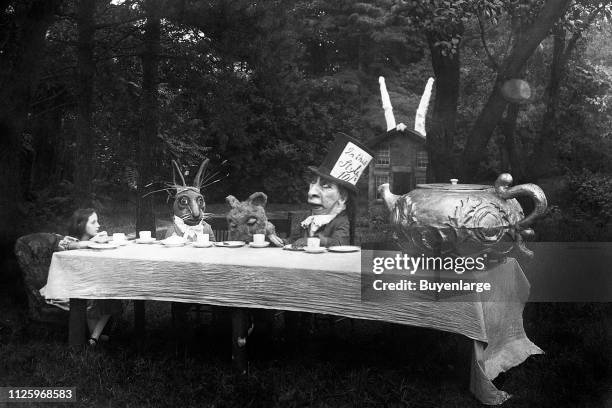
261 88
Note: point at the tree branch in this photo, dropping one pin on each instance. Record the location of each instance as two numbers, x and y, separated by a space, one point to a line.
492 61
571 44
107 57
52 108
532 36
55 95
117 23
57 73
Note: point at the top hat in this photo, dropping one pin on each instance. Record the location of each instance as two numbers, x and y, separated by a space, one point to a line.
345 162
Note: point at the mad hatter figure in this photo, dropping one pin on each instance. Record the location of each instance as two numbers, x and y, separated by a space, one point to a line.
331 193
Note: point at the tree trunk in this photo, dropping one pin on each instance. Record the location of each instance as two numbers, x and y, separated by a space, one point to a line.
85 159
148 153
543 154
513 165
475 149
19 69
47 144
441 130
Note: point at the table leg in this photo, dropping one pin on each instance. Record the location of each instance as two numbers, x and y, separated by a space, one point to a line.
240 331
139 317
77 329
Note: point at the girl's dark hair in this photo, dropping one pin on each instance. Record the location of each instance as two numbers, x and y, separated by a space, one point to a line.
78 220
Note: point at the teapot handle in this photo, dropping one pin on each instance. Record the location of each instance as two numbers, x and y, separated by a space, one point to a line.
531 190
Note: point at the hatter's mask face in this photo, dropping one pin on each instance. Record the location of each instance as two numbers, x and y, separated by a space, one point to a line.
326 197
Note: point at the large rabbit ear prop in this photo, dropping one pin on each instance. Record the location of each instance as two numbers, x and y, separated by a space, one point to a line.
232 201
198 178
178 169
259 199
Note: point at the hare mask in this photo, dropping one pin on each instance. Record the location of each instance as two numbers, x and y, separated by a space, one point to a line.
189 204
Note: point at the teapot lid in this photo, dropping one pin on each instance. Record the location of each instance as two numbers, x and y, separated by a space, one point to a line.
454 186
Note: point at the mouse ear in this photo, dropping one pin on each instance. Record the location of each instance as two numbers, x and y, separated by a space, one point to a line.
178 169
259 199
232 201
197 182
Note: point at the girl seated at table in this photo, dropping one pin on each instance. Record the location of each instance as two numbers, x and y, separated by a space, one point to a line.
84 227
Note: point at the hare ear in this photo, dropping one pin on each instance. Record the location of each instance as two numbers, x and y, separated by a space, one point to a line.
258 199
197 182
232 201
178 169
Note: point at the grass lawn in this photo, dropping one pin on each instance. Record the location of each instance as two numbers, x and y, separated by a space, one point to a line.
339 364
335 364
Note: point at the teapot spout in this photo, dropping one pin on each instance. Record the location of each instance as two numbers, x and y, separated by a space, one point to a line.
388 197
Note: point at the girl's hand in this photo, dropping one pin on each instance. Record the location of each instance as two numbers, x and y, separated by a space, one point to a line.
67 242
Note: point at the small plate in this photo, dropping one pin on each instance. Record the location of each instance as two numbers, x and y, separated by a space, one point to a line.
291 248
230 244
197 244
145 241
107 245
254 245
344 248
319 250
174 244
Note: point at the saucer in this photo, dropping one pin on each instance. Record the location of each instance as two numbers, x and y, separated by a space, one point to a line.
318 250
230 244
254 245
197 244
122 242
174 244
344 248
145 241
101 240
106 245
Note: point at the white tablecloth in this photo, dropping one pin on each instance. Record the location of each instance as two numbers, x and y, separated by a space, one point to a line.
271 278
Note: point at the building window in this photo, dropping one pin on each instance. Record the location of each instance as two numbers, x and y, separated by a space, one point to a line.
422 159
378 180
420 180
383 156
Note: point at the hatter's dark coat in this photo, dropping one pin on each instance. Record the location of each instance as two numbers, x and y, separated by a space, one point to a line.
336 232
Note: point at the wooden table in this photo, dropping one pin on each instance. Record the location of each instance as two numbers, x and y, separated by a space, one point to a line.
271 278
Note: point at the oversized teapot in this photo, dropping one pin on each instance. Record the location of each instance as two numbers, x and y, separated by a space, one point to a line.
464 219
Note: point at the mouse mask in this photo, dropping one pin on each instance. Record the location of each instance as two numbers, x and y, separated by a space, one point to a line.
249 217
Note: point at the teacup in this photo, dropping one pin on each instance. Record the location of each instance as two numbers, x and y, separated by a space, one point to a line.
313 242
259 239
144 235
202 238
118 237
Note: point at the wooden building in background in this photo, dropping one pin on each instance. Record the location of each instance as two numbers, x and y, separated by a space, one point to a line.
401 160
